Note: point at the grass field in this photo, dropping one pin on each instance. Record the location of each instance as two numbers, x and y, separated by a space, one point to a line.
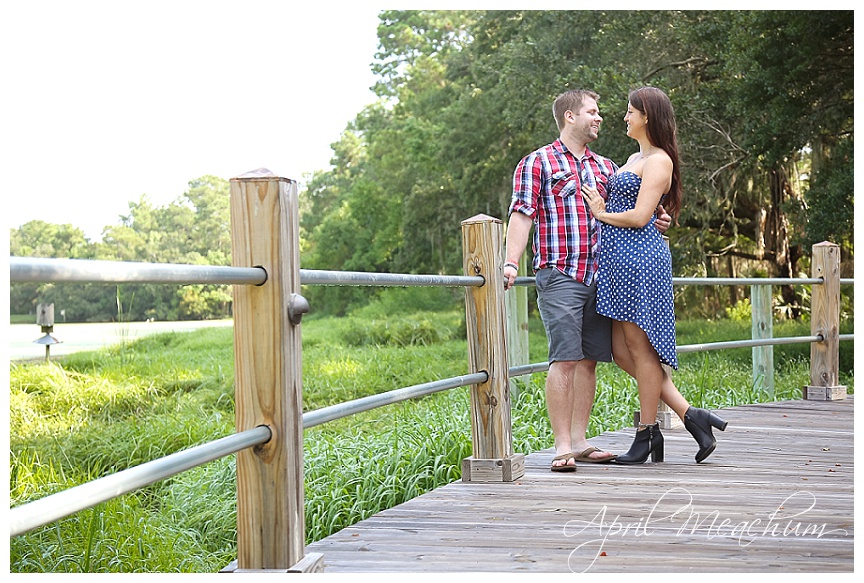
91 414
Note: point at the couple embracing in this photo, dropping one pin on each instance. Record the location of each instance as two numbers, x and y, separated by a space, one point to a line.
603 271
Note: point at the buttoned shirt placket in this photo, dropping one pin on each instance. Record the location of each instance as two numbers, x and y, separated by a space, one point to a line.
586 176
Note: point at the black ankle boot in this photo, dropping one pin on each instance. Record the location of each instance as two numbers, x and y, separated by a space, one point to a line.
699 422
648 440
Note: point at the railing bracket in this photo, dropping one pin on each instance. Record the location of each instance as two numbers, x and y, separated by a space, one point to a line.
297 306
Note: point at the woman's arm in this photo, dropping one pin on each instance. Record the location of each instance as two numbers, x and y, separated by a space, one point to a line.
656 175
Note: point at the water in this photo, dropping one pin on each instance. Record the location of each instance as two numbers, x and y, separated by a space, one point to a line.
79 337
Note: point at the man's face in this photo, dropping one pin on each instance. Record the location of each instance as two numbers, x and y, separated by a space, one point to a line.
586 122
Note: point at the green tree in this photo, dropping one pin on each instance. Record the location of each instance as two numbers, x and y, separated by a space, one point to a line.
795 101
764 105
41 239
195 228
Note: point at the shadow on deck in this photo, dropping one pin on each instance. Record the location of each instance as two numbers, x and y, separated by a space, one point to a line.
776 496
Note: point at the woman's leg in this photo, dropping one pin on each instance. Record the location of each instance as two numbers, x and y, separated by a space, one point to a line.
622 356
673 397
634 354
646 367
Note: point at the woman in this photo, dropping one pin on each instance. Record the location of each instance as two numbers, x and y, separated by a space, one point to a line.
634 281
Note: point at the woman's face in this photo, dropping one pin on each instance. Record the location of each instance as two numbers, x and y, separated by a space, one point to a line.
636 122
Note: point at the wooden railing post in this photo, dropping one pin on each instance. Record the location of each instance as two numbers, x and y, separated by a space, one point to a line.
267 362
516 301
493 459
762 326
825 321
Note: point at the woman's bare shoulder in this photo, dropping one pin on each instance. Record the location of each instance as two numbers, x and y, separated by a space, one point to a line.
659 161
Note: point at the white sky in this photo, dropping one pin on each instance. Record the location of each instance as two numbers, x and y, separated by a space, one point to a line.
107 100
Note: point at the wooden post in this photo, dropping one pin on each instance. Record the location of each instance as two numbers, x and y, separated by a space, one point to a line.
45 316
493 459
825 321
268 389
762 326
517 328
45 320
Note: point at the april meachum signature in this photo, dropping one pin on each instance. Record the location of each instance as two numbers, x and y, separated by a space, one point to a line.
781 522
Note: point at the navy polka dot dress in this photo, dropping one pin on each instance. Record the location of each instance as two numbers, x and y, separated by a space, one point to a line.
634 279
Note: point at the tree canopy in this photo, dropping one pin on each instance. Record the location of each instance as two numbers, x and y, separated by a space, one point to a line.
764 104
195 229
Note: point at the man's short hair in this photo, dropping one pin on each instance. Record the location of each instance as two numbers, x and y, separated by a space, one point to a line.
570 101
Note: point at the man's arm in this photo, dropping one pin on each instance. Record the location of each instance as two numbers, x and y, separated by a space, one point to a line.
518 229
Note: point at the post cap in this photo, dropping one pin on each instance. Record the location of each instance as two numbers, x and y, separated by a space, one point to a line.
481 218
260 174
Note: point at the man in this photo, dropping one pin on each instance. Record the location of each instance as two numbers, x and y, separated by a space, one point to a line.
546 194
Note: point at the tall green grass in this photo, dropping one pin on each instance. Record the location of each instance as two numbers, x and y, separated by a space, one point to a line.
98 413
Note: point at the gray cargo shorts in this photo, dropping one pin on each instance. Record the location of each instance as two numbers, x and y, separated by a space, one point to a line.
569 311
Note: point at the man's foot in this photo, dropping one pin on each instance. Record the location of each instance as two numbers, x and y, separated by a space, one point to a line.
592 455
564 462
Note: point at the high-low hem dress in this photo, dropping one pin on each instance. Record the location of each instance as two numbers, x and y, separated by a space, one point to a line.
634 278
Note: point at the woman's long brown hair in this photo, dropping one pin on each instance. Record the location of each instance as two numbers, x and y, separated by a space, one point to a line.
663 133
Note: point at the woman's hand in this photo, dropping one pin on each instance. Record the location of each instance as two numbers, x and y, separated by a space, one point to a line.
594 200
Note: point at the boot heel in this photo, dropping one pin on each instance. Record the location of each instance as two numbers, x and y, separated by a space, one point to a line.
657 453
647 441
655 443
699 423
717 422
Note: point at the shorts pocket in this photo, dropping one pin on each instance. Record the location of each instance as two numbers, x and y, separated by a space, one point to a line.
540 279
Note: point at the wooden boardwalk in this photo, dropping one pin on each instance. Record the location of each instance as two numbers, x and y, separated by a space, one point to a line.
776 497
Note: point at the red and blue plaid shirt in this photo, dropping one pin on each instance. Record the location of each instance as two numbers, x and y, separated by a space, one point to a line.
547 186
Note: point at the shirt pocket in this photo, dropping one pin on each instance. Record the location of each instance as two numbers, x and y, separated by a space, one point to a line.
563 184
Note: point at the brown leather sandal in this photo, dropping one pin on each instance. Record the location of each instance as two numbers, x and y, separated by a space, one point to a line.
566 467
585 456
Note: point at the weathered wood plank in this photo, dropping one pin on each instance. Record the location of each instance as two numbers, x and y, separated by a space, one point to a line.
762 326
776 496
486 325
825 321
267 350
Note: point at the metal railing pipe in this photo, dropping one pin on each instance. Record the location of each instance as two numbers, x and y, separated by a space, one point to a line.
26 517
523 369
746 343
333 412
322 277
728 281
37 269
526 280
51 270
746 280
544 366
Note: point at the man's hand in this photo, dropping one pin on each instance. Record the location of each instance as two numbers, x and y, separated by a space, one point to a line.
663 221
509 276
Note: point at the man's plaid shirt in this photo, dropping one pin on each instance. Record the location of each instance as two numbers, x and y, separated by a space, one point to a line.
547 186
